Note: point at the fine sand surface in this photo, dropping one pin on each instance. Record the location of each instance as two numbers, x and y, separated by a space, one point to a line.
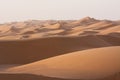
60 50
87 64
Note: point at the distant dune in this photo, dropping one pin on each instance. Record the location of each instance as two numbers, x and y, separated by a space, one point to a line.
50 28
66 49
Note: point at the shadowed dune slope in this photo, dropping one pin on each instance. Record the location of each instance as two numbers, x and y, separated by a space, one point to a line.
26 51
88 64
36 77
26 77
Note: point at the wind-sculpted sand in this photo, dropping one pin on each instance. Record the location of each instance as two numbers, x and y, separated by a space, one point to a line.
60 50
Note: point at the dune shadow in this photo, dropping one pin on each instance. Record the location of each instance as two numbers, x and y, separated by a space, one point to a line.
11 76
27 51
26 77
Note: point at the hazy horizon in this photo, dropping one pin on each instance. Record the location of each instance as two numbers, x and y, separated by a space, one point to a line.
21 10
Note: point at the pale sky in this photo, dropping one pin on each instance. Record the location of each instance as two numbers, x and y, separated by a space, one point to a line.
19 10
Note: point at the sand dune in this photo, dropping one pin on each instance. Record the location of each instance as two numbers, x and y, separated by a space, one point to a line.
26 51
111 30
7 66
4 29
88 64
69 49
12 76
26 77
58 28
55 26
101 28
23 76
85 21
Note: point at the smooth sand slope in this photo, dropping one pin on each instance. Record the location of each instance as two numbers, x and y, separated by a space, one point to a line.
87 64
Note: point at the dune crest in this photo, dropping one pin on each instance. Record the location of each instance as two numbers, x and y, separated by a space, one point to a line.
49 28
88 64
60 50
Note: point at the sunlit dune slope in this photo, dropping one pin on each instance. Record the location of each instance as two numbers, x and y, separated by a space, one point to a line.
87 64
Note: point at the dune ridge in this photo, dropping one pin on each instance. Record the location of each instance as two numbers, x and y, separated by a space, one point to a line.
87 64
85 49
50 28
